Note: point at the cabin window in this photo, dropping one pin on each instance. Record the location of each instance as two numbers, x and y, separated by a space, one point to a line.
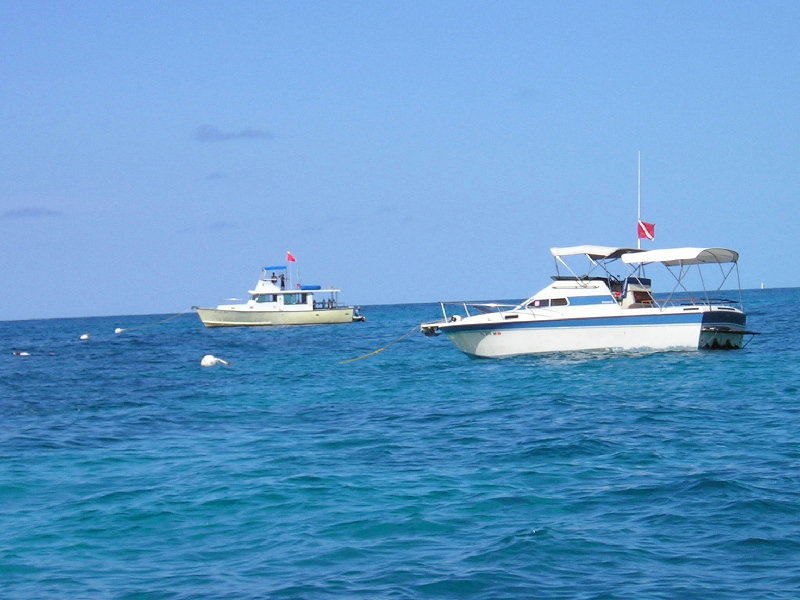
266 298
295 299
547 302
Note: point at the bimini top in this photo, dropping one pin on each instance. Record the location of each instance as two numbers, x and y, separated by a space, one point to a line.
674 257
593 252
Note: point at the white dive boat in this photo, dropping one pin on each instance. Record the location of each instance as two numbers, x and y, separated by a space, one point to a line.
275 302
598 310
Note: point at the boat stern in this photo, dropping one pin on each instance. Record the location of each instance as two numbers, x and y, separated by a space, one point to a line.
723 328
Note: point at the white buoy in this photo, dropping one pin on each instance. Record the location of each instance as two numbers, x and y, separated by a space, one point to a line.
85 336
209 360
119 330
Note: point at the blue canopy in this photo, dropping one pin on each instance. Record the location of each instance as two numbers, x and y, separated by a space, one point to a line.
280 268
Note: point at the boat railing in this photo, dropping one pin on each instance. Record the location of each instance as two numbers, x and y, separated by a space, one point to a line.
328 304
695 301
477 307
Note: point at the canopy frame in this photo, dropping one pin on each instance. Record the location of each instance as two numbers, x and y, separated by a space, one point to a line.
599 257
679 263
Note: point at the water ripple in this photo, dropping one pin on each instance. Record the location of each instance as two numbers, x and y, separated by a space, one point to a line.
128 471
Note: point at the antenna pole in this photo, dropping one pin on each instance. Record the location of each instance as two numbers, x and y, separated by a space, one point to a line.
639 202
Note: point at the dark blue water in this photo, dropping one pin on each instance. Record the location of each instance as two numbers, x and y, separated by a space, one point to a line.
128 471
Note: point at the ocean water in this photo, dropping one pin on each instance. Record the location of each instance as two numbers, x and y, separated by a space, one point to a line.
128 471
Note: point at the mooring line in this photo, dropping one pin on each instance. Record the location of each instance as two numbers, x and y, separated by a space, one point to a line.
120 330
379 350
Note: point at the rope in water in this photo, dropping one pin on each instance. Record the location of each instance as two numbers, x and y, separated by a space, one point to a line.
120 330
379 350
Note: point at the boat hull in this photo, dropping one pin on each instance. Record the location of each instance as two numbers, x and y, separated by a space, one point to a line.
653 331
211 317
603 311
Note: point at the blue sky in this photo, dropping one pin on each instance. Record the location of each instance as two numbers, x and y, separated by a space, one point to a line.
155 155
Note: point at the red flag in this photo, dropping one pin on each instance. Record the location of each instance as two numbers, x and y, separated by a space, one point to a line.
289 257
646 231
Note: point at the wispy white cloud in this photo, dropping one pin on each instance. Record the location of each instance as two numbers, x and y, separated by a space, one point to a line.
219 225
29 213
527 94
209 134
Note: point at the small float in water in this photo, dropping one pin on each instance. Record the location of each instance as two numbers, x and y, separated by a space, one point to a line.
209 360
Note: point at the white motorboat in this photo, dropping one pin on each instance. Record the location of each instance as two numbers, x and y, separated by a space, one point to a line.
275 301
598 310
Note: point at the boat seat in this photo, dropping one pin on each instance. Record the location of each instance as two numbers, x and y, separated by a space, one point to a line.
641 305
637 294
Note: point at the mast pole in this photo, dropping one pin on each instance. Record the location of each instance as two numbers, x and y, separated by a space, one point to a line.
639 201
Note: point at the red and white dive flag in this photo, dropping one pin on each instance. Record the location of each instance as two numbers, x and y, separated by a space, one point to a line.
289 257
646 231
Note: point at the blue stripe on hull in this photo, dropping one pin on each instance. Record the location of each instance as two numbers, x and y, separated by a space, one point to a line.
590 300
611 321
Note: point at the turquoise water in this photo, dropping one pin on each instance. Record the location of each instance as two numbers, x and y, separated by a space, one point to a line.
128 471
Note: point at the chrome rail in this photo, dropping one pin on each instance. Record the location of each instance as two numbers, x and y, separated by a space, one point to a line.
478 307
